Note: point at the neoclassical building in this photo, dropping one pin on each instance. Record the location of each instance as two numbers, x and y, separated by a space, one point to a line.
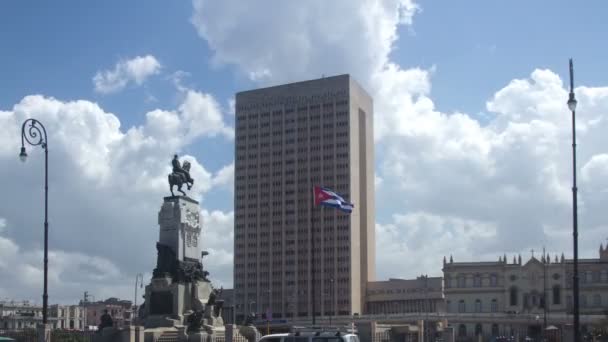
513 297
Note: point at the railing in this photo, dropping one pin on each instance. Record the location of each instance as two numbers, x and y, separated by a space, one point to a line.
30 335
71 336
27 335
168 336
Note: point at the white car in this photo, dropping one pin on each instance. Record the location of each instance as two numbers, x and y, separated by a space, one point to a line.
311 336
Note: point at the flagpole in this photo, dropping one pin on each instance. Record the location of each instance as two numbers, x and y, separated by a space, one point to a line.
312 253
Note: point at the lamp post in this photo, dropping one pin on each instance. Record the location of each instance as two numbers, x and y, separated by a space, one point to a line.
575 290
34 133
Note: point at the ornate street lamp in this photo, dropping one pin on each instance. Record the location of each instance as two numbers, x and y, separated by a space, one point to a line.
572 106
34 133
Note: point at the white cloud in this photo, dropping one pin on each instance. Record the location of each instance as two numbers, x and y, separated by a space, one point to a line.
218 241
106 185
225 176
408 237
509 179
135 70
301 40
68 272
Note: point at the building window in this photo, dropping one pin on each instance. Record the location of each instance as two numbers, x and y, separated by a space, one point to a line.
462 281
597 300
477 280
513 296
493 280
557 295
494 305
584 301
477 305
448 305
478 329
462 330
461 306
448 281
495 329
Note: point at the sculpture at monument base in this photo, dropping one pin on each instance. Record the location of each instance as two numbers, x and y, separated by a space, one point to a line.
180 303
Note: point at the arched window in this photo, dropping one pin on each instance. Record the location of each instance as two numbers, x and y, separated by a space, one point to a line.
494 305
597 300
478 329
477 305
477 280
462 330
495 329
513 296
557 296
461 306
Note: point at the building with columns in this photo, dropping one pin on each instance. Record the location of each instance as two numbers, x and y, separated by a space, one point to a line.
540 287
397 296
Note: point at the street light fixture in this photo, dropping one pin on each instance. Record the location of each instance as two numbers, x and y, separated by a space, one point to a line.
34 133
572 106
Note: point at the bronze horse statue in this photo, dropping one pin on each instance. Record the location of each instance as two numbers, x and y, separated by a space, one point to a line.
179 179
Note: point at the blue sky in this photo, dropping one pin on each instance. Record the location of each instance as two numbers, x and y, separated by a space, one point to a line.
500 64
55 48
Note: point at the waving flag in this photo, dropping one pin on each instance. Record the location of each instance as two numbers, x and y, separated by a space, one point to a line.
328 198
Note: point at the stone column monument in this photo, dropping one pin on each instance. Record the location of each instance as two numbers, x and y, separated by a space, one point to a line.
180 302
180 294
180 299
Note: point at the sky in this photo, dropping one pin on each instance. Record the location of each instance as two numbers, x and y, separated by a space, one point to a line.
471 128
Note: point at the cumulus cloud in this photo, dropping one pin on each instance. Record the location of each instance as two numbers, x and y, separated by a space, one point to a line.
68 272
507 180
218 241
106 184
136 70
301 40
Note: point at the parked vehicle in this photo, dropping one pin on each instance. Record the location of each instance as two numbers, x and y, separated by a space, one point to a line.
321 334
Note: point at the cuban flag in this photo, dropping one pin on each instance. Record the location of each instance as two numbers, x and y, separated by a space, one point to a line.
329 198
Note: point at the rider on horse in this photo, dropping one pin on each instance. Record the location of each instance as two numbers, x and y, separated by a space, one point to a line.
177 169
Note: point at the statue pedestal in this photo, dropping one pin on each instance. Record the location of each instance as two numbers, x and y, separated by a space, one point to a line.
170 294
180 300
180 227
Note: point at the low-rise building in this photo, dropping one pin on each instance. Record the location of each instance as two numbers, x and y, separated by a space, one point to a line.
68 316
120 310
18 315
394 296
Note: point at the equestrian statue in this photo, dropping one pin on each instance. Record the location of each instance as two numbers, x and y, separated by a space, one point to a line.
180 176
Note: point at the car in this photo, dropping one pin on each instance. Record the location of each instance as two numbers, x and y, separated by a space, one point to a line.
321 334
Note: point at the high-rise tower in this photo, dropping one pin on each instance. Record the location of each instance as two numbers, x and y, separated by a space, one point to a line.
290 138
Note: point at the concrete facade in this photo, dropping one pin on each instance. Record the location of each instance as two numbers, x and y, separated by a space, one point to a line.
290 138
